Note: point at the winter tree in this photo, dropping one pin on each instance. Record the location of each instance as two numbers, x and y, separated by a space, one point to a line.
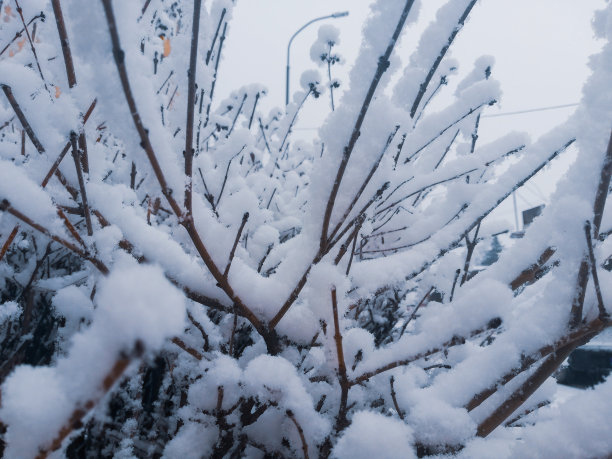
180 278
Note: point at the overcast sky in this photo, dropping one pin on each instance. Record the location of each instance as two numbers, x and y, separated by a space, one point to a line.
541 49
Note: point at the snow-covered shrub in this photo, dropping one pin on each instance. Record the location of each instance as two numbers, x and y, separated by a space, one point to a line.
181 278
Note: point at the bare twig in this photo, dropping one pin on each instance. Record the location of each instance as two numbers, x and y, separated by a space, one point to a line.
365 182
22 119
300 432
79 413
191 351
416 309
383 64
41 15
603 314
59 159
5 206
236 116
470 246
77 164
61 29
20 11
268 334
245 217
394 398
441 55
191 89
341 420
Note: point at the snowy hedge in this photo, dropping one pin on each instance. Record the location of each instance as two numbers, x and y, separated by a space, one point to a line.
180 278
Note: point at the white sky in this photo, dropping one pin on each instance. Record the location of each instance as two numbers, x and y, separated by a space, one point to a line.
541 49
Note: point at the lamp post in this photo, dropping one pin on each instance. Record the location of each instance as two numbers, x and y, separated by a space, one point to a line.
331 16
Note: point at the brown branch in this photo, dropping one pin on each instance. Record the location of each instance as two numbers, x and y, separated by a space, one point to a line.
79 171
191 351
383 64
365 182
20 11
598 209
22 119
602 190
300 432
8 242
191 89
576 336
41 15
198 325
245 217
5 206
434 67
456 340
416 309
61 29
231 341
71 228
394 398
470 246
603 314
529 275
341 420
236 116
66 147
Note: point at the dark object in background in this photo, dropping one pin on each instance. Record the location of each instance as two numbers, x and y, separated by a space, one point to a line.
529 215
588 366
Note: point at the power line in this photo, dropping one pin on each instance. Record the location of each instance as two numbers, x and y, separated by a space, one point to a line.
531 110
495 115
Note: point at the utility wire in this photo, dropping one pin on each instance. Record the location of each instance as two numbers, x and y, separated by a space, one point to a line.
495 115
531 110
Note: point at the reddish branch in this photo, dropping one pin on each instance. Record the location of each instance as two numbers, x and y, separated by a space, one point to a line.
268 335
61 29
341 420
75 421
434 67
383 64
300 432
394 398
77 164
18 34
5 206
22 119
191 89
456 340
20 12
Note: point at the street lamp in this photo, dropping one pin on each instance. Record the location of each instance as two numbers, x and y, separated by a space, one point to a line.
331 16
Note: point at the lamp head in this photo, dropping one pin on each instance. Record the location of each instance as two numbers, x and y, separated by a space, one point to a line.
340 14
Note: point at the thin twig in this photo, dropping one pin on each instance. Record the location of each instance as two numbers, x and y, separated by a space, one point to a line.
394 398
300 432
236 116
383 64
191 91
416 309
245 217
20 11
434 67
268 335
61 29
22 119
41 15
365 182
603 314
79 413
77 164
5 206
341 420
59 159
